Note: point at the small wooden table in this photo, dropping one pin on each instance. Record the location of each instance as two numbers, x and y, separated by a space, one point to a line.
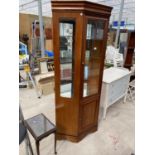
40 127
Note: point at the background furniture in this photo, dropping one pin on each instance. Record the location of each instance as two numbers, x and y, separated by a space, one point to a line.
79 39
130 50
40 127
45 82
23 135
114 86
131 91
113 57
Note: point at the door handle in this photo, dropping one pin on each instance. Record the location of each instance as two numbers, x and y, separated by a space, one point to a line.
83 63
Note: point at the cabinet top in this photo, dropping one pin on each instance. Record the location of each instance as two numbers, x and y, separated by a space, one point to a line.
80 5
113 74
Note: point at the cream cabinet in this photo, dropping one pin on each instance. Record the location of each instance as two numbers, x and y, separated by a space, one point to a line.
114 86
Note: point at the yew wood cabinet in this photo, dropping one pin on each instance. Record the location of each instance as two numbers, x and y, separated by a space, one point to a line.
79 41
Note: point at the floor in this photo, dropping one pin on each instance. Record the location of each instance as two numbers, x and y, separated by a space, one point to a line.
115 135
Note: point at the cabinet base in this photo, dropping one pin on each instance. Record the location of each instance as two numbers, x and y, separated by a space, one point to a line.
75 139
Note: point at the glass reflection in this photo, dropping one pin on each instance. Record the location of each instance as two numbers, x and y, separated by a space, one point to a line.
66 58
94 39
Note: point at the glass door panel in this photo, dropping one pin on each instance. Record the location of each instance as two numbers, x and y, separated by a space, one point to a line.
94 40
66 58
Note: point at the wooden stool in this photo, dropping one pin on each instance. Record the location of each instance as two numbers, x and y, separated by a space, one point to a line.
40 127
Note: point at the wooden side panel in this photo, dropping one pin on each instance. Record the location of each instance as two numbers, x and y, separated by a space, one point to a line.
132 40
66 118
130 50
129 57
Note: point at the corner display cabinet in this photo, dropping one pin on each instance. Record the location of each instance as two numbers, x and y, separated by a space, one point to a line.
79 40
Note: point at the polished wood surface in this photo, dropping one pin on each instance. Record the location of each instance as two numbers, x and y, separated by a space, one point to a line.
130 49
77 116
89 8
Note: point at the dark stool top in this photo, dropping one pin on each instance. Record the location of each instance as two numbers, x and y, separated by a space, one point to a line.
22 132
40 126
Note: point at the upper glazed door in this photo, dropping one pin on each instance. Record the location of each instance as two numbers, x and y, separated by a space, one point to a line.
67 35
93 55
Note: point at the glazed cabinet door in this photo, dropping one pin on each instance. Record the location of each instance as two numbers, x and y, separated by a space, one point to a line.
67 35
92 68
67 45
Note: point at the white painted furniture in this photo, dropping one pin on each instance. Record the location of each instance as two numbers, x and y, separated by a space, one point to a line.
114 86
131 91
45 88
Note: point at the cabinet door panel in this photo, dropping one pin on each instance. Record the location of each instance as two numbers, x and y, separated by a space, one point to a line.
88 114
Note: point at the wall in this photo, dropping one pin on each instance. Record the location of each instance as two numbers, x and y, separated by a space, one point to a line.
25 24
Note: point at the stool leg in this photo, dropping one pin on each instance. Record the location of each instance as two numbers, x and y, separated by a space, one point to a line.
29 144
105 111
37 147
55 143
130 92
125 96
26 147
